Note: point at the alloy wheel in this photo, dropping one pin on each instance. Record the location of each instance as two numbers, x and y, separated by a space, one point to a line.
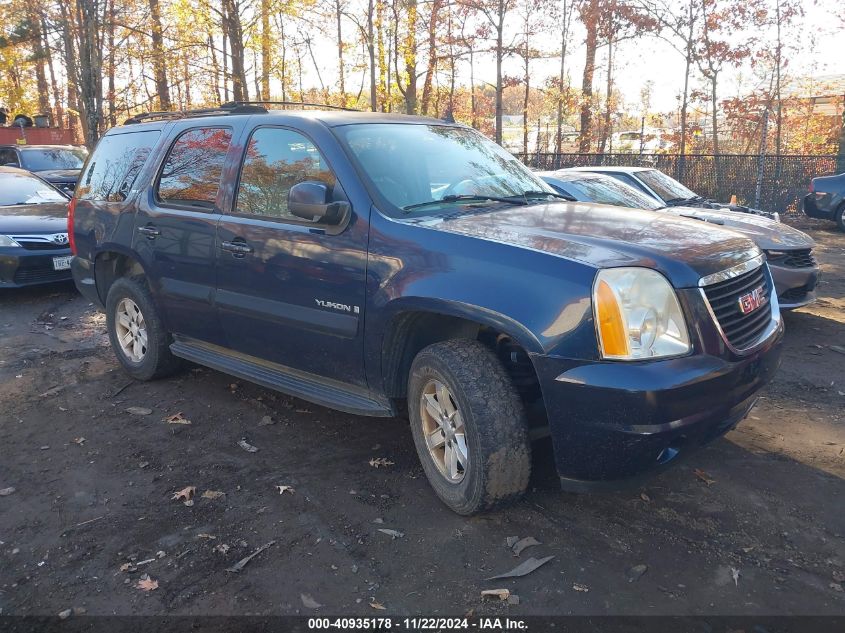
131 330
444 431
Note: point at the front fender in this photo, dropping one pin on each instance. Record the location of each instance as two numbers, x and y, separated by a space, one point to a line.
540 300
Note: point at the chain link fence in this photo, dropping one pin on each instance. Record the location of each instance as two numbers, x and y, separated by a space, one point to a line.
772 183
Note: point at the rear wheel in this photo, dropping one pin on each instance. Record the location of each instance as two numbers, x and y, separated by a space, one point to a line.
136 332
469 426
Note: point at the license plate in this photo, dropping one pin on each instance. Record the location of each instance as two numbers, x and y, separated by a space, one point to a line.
62 263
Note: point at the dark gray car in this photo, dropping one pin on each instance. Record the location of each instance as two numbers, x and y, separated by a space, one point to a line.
57 164
788 250
826 200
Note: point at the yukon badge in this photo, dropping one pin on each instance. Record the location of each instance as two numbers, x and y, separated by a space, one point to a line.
337 306
753 300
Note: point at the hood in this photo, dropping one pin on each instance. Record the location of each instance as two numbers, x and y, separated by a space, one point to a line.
605 236
33 218
766 233
704 203
59 175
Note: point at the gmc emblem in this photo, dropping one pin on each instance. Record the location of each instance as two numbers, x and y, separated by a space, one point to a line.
753 300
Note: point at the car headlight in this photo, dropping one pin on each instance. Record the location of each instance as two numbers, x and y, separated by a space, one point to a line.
7 241
638 315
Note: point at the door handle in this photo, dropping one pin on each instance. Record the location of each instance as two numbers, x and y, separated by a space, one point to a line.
239 248
150 231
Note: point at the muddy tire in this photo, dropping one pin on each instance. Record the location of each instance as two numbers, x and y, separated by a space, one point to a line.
136 332
840 217
469 426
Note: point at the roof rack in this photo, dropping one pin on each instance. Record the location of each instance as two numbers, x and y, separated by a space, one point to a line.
226 108
295 104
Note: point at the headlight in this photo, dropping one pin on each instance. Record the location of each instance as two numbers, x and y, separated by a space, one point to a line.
638 315
5 240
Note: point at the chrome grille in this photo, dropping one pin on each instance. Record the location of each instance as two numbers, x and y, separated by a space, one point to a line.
741 330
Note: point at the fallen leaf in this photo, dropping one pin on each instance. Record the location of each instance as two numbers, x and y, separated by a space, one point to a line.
378 605
79 440
147 584
501 594
127 567
703 476
510 541
524 568
221 548
309 602
177 418
5 492
249 448
208 536
139 410
64 615
394 534
838 576
283 489
213 494
243 562
522 544
580 587
735 575
835 586
266 421
635 573
645 497
380 462
51 392
185 494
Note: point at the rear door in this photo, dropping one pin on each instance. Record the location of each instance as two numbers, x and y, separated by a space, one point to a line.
291 291
175 229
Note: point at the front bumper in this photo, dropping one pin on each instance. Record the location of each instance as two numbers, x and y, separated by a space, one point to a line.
795 287
611 421
23 267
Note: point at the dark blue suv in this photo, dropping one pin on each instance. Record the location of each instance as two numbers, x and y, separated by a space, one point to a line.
372 262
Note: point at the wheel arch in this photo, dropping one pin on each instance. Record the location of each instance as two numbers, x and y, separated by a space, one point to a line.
111 263
413 325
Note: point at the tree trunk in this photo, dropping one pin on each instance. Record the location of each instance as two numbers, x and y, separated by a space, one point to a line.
111 66
473 102
234 29
57 95
432 55
591 24
682 161
159 65
40 69
215 66
266 50
410 53
525 97
715 124
606 131
341 71
371 54
73 120
563 41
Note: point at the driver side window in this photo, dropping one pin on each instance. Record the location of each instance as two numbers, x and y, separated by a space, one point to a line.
276 159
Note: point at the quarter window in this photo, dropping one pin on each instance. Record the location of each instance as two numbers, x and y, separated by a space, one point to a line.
114 165
276 159
193 167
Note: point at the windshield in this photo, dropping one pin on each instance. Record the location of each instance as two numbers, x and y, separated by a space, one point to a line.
606 190
44 159
21 188
667 188
413 165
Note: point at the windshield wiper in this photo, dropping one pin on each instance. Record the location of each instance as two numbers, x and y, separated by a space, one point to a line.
466 198
543 194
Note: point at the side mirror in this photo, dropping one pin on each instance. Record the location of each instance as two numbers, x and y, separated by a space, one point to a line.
309 200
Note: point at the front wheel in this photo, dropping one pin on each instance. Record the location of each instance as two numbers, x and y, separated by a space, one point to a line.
469 426
840 217
136 332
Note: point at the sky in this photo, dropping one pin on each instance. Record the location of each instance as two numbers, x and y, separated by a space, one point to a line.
816 48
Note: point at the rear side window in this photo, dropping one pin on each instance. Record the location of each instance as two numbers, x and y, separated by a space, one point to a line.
277 159
193 167
114 165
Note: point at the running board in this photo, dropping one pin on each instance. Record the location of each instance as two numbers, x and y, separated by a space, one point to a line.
325 392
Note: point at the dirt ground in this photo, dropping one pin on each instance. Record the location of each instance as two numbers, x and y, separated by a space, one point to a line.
758 531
